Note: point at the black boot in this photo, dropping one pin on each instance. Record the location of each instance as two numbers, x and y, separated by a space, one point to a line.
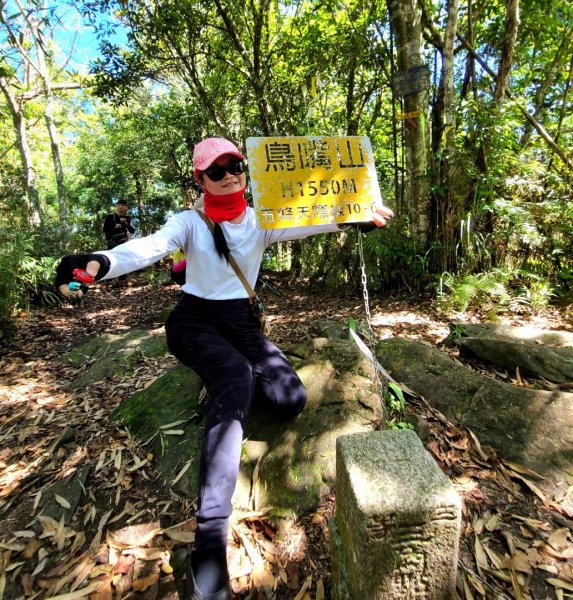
210 566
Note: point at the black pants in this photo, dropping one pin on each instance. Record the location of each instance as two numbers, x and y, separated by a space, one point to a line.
220 340
112 243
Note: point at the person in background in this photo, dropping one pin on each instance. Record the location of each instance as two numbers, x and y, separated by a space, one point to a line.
117 226
118 229
214 331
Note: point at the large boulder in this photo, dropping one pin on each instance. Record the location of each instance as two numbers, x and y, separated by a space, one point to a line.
532 427
532 335
532 360
286 465
537 353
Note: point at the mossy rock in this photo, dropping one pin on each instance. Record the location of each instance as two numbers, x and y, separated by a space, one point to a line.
166 416
528 426
109 354
296 459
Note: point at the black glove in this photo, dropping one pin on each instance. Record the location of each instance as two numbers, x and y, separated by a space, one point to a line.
65 270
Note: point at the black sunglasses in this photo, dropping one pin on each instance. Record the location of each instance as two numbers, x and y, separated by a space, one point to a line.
217 172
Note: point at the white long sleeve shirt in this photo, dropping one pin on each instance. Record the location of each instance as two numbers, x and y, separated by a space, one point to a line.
208 275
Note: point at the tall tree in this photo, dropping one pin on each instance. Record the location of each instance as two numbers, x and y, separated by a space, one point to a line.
207 44
506 59
15 103
553 76
136 153
311 67
406 20
45 77
446 198
28 33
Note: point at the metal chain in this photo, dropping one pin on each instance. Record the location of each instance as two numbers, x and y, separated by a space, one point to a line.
364 283
371 336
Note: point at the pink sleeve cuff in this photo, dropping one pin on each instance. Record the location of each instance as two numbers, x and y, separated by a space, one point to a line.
180 266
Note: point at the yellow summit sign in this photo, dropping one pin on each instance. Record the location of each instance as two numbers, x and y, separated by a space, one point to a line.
298 181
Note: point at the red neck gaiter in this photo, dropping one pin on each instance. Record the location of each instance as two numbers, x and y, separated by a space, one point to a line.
226 207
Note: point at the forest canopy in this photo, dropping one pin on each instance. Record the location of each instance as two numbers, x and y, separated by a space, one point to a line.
468 109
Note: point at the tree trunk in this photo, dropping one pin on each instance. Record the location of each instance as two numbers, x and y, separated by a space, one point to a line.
448 206
139 203
449 86
512 25
29 172
405 17
52 132
59 172
469 82
564 104
351 115
537 126
253 66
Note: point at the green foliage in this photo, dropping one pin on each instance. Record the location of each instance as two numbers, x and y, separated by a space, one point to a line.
141 154
395 260
492 291
396 408
37 279
392 261
24 279
471 289
156 276
352 326
503 207
10 179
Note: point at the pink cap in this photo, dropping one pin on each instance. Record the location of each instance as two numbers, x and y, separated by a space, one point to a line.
208 151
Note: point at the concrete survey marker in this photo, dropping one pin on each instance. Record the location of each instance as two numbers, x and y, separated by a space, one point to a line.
397 524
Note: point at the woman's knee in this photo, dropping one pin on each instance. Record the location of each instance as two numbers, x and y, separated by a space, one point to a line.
295 407
285 399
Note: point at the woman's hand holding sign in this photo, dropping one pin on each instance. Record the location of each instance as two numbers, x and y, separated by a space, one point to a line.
381 214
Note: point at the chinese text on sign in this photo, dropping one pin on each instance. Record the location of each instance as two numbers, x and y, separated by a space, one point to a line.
298 181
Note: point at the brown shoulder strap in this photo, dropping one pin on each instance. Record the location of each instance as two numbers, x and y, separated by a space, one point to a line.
230 258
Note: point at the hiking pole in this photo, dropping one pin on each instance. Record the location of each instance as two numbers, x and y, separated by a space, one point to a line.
267 284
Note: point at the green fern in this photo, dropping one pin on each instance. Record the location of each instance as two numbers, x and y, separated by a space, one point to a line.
471 289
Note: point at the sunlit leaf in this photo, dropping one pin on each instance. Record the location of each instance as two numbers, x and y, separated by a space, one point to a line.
559 583
62 501
480 554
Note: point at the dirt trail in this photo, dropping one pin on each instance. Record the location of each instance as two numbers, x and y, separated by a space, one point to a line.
49 435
